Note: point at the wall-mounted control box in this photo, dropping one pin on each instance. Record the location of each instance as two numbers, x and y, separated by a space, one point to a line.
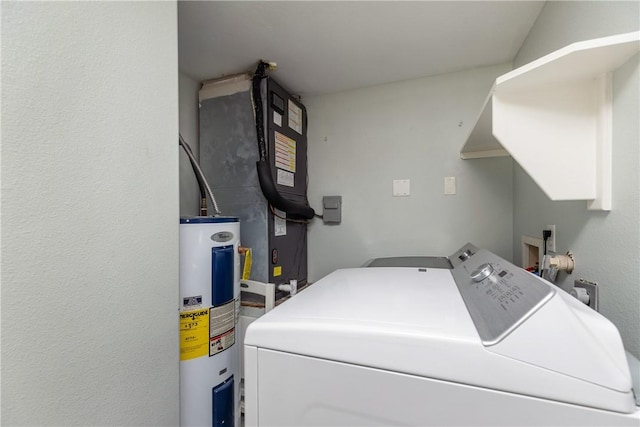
332 209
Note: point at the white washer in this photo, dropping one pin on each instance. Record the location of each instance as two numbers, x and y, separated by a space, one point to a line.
483 343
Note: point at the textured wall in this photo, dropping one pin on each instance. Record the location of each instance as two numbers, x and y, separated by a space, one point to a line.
89 213
189 190
564 22
361 140
606 244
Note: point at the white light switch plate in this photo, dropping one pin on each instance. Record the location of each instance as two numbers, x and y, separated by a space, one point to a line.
449 185
401 187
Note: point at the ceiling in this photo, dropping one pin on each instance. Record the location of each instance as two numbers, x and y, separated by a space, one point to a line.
330 46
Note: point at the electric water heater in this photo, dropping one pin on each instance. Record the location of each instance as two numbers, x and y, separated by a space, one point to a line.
209 309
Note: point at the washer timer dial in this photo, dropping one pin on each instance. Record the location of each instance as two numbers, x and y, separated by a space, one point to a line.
482 272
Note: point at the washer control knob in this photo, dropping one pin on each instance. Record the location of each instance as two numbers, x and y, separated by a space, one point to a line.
482 272
465 255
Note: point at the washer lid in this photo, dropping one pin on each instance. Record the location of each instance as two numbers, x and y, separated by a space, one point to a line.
395 301
391 318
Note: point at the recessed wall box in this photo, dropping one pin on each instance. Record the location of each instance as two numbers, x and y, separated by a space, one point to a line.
591 290
332 209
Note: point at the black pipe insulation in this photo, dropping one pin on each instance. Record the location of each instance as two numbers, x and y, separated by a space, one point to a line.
294 210
269 190
259 74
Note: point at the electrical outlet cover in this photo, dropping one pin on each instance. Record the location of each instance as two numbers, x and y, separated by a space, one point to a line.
401 187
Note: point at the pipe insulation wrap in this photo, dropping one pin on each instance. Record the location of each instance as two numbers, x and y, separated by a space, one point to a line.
294 210
269 189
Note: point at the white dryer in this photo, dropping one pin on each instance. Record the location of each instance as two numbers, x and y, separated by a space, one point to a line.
481 343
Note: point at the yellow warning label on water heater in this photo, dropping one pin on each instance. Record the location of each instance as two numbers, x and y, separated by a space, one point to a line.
277 271
194 334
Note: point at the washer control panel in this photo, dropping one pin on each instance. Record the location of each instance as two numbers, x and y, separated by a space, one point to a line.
499 295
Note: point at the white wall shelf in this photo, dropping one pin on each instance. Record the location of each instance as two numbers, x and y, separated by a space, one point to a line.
553 116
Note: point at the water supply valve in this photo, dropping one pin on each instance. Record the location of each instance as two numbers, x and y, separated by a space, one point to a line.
581 294
552 264
586 292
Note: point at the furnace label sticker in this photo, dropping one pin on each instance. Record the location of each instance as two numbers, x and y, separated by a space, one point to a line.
277 271
285 178
295 117
222 327
279 223
285 152
194 334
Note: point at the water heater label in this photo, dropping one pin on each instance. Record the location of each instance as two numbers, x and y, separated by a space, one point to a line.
194 333
192 303
222 342
222 236
222 327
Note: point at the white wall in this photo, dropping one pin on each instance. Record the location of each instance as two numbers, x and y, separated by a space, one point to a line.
89 213
189 190
361 140
606 244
